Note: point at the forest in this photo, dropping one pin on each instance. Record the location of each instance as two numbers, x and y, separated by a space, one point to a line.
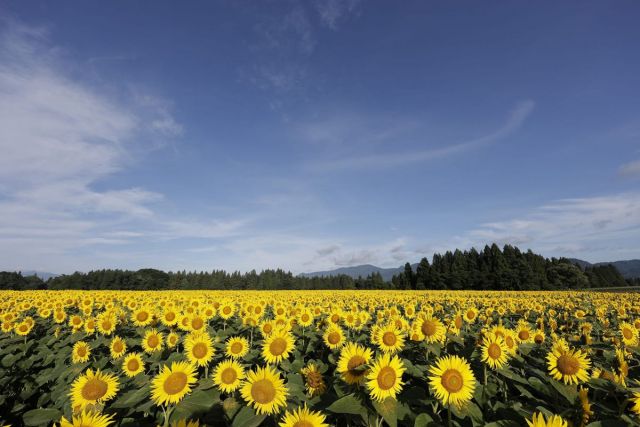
492 268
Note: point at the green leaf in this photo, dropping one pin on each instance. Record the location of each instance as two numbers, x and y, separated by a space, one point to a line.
247 418
423 420
38 417
131 398
348 404
567 391
388 409
198 402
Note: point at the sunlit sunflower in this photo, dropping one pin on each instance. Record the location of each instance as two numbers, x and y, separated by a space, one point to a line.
87 419
173 383
237 347
277 346
142 317
152 341
353 362
452 380
305 318
172 340
199 348
470 314
629 334
23 328
227 375
389 339
133 364
636 403
106 324
227 310
539 420
568 365
334 337
523 333
185 423
385 378
80 352
117 348
585 405
264 390
303 417
169 317
313 380
92 388
494 351
431 328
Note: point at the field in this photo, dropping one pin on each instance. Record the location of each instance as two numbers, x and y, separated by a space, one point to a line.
318 358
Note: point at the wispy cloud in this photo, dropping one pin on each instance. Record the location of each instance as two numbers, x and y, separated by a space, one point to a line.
630 169
394 158
333 12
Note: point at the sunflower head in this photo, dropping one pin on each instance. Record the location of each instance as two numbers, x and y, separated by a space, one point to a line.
264 390
303 417
173 383
237 347
385 378
228 375
93 388
353 363
452 380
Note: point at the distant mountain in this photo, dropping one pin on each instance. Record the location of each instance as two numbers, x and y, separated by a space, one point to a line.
630 269
41 274
359 270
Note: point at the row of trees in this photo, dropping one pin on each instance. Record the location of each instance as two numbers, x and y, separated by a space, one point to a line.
490 269
506 269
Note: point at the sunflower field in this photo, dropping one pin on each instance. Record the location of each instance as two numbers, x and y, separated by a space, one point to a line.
319 358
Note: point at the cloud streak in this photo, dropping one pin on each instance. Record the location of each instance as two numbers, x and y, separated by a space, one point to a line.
515 120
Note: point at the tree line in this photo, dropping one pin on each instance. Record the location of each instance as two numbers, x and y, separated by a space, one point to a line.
490 269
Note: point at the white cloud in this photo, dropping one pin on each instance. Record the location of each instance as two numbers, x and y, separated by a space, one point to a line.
332 12
630 169
515 120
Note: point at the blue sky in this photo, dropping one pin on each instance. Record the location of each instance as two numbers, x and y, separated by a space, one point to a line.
317 134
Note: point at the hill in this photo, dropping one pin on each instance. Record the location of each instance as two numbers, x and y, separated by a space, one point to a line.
629 269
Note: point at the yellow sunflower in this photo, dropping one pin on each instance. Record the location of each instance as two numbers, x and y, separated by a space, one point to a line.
389 339
92 388
277 346
568 365
172 340
494 351
538 420
117 348
333 337
452 380
80 352
199 348
629 334
142 317
430 328
173 383
385 377
87 419
636 403
523 333
353 362
313 381
264 390
152 341
133 364
227 375
106 324
303 417
237 347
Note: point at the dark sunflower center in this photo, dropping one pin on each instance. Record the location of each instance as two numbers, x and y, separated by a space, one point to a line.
386 378
228 376
333 338
278 346
428 328
94 389
236 347
452 380
494 351
568 365
175 383
263 391
199 350
133 365
389 338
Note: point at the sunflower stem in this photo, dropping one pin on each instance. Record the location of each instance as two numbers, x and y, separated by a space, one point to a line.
449 415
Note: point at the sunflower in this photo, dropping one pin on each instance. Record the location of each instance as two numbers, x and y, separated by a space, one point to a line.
197 323
80 352
227 310
568 365
117 348
227 375
133 364
636 403
264 390
75 322
305 318
494 351
385 377
452 380
90 419
173 383
389 339
172 340
334 337
629 334
93 388
585 405
470 314
199 348
142 317
303 417
185 423
266 328
106 324
277 346
353 362
169 317
523 333
314 383
538 420
152 341
431 328
23 328
237 347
